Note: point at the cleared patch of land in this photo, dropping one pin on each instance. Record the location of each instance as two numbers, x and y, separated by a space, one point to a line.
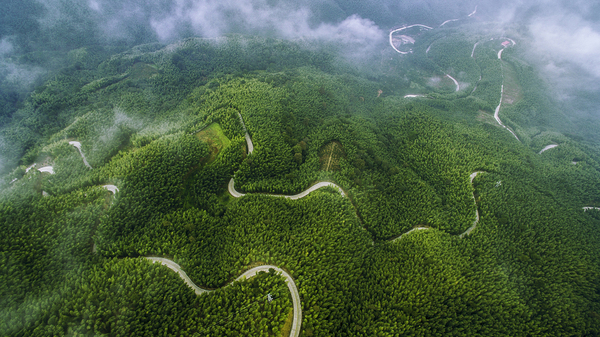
215 138
512 90
142 70
330 156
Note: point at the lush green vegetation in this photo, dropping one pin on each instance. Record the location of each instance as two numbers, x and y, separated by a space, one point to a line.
163 124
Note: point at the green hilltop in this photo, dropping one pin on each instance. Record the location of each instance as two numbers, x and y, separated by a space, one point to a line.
442 214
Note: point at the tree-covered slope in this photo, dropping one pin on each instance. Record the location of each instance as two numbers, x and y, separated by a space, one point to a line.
416 244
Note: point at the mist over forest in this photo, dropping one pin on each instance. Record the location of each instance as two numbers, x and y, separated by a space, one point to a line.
561 39
415 167
565 33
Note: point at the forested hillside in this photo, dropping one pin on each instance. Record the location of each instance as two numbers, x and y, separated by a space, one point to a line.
454 218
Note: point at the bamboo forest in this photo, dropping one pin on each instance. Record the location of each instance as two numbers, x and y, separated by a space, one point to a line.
257 185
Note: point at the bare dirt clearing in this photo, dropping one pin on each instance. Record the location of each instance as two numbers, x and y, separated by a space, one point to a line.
330 156
215 138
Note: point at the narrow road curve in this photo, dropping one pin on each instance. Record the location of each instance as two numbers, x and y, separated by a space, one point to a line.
236 194
475 11
445 22
47 169
469 230
78 146
296 323
302 194
447 75
497 111
455 82
473 52
551 146
403 28
410 231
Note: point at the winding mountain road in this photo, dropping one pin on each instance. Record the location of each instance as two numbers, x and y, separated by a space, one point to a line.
320 184
445 22
78 146
401 29
497 111
297 321
426 52
114 189
455 82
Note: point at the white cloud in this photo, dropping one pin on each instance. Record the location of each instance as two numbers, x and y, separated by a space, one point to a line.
568 39
5 46
211 18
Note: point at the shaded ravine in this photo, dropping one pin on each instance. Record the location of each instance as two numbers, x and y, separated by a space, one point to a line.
78 146
297 321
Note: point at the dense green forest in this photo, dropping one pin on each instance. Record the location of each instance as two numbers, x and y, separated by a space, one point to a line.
163 123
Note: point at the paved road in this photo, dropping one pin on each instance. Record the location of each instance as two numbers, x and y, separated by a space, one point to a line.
497 111
296 323
176 268
47 169
302 194
78 146
469 230
445 22
403 28
114 189
551 146
412 230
